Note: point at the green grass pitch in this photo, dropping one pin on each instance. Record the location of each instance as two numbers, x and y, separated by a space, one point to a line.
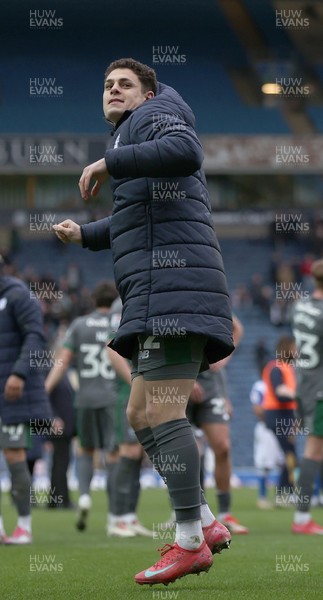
269 563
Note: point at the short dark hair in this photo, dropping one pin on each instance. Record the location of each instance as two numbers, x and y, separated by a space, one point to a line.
104 294
145 74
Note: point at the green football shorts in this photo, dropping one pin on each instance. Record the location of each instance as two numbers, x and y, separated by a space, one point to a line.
15 436
173 357
96 427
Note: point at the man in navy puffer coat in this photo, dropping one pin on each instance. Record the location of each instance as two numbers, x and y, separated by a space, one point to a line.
168 268
23 400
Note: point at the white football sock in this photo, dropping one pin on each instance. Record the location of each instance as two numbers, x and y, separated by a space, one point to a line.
172 517
301 518
1 525
207 516
25 523
128 518
189 534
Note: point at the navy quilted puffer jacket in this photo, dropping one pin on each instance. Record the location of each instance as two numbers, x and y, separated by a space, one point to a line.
167 261
22 344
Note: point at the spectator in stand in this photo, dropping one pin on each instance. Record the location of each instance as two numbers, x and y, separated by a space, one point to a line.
287 286
275 261
74 277
241 297
285 275
261 293
279 312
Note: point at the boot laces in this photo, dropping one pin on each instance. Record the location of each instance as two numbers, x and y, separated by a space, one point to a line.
163 561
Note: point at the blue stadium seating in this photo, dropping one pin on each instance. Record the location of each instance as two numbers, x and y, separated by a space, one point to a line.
214 100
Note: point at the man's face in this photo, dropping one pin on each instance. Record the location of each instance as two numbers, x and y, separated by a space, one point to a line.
122 91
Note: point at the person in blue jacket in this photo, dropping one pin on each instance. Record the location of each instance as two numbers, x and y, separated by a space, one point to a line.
24 403
176 316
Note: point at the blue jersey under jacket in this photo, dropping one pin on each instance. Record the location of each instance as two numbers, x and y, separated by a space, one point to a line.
167 261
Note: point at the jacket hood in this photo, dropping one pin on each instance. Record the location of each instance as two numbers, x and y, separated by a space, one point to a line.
165 93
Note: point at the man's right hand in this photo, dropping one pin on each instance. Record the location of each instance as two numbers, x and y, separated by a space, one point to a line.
14 388
68 231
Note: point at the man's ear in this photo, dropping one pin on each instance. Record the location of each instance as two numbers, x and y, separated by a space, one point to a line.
149 95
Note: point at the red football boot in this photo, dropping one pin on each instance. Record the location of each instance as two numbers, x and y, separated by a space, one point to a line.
310 528
176 562
19 537
217 537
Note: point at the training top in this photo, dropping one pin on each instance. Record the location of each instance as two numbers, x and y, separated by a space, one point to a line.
87 337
